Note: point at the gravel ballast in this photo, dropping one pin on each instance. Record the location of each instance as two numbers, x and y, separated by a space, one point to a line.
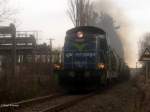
119 98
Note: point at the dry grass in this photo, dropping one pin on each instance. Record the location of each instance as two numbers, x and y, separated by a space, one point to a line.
30 81
142 98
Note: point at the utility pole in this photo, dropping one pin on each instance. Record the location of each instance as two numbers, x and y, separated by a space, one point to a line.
51 69
13 81
13 34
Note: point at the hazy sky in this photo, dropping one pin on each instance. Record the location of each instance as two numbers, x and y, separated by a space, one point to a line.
50 19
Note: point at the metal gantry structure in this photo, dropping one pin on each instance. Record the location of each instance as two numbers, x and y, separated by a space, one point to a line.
18 44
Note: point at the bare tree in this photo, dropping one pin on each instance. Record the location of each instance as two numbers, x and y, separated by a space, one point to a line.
6 12
81 12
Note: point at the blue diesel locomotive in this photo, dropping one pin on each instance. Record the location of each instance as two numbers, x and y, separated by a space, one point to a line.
88 60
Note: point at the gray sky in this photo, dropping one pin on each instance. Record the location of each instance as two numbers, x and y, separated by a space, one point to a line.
46 16
49 17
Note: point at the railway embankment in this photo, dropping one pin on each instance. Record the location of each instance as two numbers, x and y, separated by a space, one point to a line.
131 96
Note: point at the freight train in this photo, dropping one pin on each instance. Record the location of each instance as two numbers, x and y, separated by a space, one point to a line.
88 60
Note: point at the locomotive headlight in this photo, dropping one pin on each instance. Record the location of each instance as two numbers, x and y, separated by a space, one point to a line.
101 65
80 35
57 66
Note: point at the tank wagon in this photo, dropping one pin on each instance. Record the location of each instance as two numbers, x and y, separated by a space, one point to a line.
88 60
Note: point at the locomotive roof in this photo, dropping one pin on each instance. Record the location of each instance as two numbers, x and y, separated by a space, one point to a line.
90 29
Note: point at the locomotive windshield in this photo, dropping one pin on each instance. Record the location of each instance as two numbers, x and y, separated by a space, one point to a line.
87 43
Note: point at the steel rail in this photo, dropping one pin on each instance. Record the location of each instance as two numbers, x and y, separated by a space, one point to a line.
24 103
62 106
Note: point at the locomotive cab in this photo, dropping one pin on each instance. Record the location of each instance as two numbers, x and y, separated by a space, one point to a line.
85 58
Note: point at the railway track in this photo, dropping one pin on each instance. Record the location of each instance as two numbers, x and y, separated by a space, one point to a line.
49 103
67 104
26 103
38 99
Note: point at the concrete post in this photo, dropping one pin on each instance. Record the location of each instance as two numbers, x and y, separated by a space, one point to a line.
147 74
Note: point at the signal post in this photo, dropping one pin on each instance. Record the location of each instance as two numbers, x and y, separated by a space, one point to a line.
145 57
